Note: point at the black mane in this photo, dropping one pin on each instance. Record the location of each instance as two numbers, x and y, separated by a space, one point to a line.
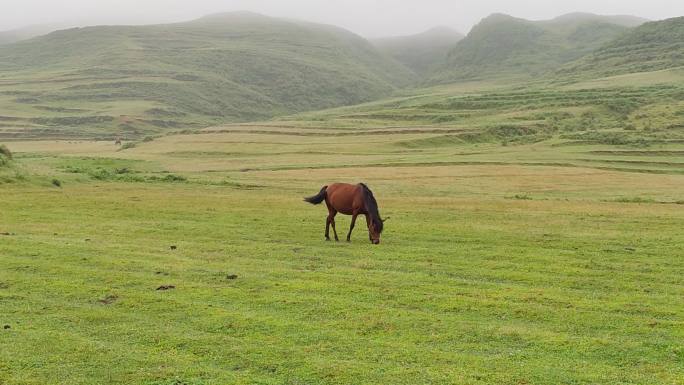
372 207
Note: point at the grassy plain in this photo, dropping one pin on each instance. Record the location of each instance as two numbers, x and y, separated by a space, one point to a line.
539 261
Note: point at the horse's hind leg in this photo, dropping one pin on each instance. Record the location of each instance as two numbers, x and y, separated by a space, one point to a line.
327 228
353 222
330 221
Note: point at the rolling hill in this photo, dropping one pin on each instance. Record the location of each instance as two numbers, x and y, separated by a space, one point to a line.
421 52
505 46
226 67
652 46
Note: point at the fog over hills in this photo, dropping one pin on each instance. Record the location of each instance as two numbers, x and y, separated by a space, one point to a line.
421 52
15 35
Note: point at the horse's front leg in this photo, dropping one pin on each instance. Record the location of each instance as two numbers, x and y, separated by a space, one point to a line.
370 238
353 222
327 228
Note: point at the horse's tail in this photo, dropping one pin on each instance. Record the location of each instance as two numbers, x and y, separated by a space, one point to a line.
318 198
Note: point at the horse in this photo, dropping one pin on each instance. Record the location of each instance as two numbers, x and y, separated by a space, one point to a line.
351 200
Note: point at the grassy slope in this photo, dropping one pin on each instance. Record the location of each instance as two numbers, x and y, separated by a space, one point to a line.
422 52
229 67
504 46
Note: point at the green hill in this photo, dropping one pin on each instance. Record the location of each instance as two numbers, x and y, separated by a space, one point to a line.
227 67
421 52
504 46
653 46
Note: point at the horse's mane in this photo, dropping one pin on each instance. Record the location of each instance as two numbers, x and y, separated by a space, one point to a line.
372 207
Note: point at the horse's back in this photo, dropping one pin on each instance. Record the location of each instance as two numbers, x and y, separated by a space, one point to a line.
344 197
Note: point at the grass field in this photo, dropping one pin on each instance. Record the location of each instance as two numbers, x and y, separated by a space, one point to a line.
547 261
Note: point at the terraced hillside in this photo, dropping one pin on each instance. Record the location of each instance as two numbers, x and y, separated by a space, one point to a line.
502 46
638 113
228 67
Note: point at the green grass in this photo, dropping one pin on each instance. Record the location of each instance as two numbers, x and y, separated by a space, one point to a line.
493 268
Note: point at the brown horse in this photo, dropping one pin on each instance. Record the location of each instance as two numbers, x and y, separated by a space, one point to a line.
351 200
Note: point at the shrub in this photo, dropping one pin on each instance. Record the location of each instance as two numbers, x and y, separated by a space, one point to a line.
123 170
4 151
174 178
521 197
634 200
56 183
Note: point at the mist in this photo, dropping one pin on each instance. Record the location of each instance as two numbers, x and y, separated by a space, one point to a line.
369 18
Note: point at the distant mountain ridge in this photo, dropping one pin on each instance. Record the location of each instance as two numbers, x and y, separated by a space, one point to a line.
652 46
502 45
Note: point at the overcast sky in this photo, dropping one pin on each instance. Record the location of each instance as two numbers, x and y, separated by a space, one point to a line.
370 18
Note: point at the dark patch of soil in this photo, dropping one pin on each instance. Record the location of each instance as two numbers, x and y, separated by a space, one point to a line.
108 300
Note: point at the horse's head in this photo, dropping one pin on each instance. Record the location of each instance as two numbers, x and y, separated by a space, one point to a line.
375 228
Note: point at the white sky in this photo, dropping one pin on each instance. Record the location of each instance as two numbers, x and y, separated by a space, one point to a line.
369 18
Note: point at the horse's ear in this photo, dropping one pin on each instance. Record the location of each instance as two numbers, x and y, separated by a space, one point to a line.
383 220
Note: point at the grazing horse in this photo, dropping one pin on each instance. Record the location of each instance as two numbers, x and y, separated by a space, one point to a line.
351 200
